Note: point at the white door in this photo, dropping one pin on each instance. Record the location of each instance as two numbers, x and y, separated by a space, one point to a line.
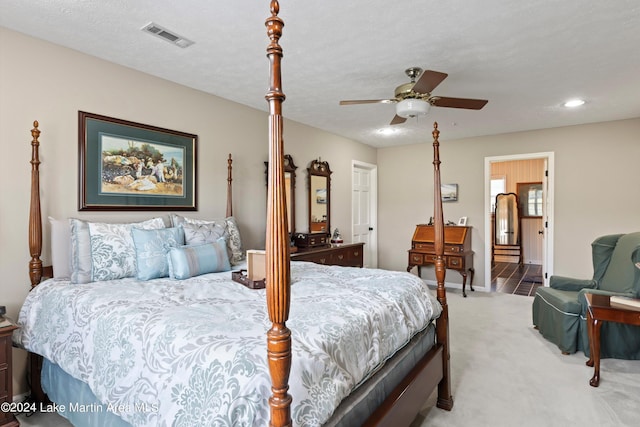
364 210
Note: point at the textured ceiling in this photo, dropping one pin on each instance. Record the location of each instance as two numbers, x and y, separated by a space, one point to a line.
525 57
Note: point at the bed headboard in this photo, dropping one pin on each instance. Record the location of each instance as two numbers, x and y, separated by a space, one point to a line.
36 269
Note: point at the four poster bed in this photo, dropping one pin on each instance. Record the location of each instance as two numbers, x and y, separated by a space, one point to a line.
366 346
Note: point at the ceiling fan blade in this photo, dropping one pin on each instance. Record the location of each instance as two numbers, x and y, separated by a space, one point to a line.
397 120
428 81
470 104
368 101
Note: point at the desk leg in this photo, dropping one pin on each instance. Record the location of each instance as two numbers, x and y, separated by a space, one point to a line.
464 282
594 345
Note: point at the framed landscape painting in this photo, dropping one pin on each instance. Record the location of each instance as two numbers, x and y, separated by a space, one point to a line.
449 192
131 166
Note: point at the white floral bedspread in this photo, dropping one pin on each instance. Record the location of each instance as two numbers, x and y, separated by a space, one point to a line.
193 352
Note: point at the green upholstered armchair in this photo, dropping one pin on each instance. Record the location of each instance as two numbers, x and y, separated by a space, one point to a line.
560 310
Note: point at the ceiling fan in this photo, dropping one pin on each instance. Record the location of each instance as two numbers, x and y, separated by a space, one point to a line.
414 98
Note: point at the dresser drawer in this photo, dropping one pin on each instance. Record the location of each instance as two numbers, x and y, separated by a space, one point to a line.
455 262
5 347
354 256
418 258
427 247
349 255
310 240
321 259
4 383
340 258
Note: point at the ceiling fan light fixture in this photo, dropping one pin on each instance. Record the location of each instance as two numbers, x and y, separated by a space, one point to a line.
412 107
574 103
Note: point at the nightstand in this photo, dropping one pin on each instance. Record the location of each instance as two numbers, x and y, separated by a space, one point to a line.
6 378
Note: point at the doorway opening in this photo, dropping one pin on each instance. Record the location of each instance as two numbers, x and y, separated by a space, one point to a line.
507 172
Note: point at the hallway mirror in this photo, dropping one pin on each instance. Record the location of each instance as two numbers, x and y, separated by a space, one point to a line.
319 197
507 220
290 189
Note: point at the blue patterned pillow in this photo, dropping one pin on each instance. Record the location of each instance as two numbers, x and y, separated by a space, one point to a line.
189 261
235 242
151 250
101 251
113 254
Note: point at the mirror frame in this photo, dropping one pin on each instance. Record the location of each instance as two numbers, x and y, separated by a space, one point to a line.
290 167
321 169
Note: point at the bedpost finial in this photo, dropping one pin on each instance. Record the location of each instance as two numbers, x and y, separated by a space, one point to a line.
436 132
35 132
275 7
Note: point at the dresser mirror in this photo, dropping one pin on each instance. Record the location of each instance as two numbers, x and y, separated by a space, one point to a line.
319 197
290 189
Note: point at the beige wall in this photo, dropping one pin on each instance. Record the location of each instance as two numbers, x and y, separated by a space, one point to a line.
595 175
44 82
596 189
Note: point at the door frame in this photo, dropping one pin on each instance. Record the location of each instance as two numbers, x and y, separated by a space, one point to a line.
373 207
547 220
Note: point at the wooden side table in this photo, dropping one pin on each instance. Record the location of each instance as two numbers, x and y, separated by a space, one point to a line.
6 378
599 309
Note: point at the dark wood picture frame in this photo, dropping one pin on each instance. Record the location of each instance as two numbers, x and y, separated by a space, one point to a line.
528 210
128 166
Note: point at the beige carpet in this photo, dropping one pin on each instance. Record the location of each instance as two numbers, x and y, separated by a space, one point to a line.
504 373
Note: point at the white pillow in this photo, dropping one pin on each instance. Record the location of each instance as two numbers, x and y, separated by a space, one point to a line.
60 248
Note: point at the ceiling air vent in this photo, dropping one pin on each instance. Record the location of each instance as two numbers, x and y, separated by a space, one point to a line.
163 33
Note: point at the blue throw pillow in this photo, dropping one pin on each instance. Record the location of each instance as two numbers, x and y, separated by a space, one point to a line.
151 250
190 261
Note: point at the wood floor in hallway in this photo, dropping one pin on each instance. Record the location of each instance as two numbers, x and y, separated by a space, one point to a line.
512 278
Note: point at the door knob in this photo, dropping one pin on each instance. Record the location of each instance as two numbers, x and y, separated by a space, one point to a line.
541 232
370 228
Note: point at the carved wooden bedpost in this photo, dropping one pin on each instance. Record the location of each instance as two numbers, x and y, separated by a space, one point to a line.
35 215
445 400
278 279
229 191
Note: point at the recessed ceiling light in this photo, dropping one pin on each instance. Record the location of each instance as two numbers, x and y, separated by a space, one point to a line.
574 103
386 131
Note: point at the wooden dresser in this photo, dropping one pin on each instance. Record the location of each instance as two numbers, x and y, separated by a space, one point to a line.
6 378
347 255
457 251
